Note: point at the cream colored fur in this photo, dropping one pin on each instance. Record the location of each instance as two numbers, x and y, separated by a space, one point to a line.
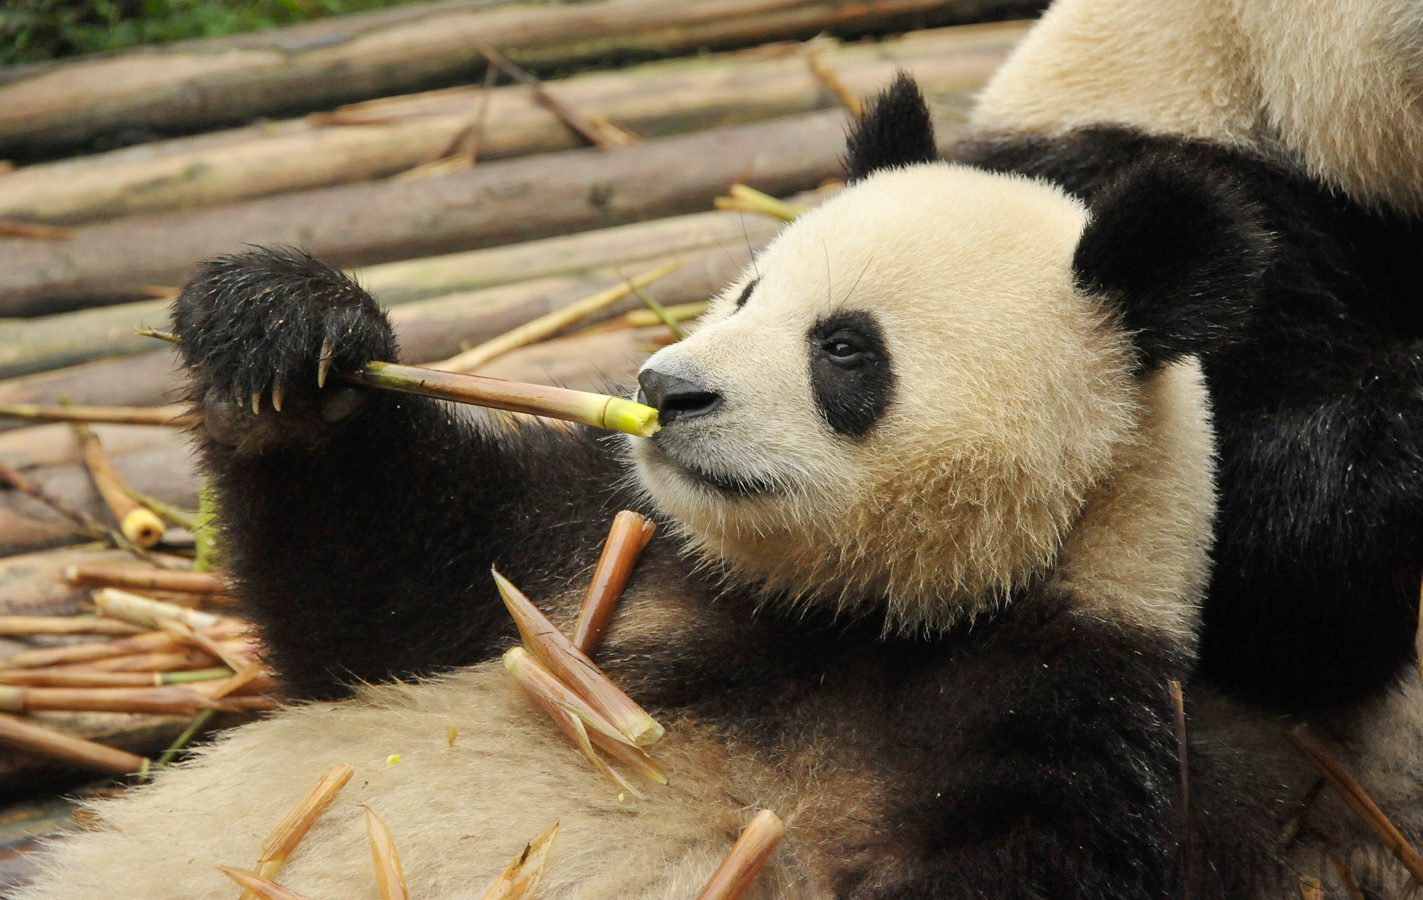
1333 87
1014 412
459 813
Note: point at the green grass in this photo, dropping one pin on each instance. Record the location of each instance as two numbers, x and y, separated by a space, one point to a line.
33 30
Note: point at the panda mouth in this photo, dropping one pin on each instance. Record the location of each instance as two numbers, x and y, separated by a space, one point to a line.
735 485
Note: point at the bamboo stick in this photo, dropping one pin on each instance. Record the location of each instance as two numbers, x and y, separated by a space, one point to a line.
77 653
598 131
17 626
747 856
174 417
597 410
1358 799
370 223
146 579
547 325
84 677
168 700
137 522
57 745
628 536
174 660
152 613
185 89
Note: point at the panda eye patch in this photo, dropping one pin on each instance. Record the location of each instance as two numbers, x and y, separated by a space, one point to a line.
850 372
746 292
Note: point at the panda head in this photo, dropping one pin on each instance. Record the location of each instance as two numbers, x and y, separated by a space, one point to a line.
904 401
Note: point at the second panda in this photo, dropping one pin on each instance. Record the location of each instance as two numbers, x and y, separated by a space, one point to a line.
936 507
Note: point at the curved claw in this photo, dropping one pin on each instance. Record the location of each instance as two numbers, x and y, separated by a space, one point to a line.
256 401
323 366
279 394
241 395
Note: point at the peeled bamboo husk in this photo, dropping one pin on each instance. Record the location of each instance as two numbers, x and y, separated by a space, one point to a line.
283 839
389 135
746 858
629 534
184 88
520 878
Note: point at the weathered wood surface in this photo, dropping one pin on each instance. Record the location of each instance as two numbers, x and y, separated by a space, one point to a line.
68 339
515 200
194 88
382 137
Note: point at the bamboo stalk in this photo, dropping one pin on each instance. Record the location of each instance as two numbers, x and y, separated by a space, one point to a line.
571 666
282 839
153 641
256 886
626 539
1358 800
188 88
548 325
129 607
56 745
747 856
136 521
184 633
151 700
84 677
18 626
390 879
599 132
177 659
171 416
521 877
81 520
146 579
596 410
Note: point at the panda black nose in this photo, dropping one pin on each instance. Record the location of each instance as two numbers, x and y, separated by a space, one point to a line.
675 398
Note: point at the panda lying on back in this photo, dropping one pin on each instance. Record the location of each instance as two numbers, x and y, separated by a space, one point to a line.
935 478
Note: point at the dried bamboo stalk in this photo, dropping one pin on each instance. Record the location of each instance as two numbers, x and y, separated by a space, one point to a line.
626 539
175 660
146 579
86 677
154 641
137 522
130 607
599 132
158 701
521 877
171 416
17 626
546 326
256 886
571 666
57 745
390 879
747 856
597 410
184 633
282 840
1359 800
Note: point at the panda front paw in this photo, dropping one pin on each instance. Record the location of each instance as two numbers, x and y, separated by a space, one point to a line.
263 333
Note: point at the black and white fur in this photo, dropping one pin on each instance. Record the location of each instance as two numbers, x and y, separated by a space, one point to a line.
935 508
1314 108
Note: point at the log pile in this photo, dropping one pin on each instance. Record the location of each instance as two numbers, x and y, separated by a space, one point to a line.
471 209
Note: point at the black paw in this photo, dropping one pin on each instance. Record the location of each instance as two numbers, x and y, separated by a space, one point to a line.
264 335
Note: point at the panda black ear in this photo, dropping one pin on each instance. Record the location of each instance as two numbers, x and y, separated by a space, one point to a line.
1180 251
894 131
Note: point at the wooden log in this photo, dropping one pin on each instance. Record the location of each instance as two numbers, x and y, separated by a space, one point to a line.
502 202
190 89
383 137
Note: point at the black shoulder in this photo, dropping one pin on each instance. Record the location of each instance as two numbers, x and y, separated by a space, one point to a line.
894 131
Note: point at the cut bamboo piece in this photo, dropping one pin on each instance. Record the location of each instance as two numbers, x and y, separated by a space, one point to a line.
597 410
747 199
129 607
154 641
282 840
56 745
257 886
548 325
176 660
571 666
390 879
157 701
521 877
1358 800
746 858
85 677
142 578
546 687
172 416
626 539
17 626
137 522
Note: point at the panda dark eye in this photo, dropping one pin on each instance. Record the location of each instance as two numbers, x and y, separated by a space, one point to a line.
845 349
746 292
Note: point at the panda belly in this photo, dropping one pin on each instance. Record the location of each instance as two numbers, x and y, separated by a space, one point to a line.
459 813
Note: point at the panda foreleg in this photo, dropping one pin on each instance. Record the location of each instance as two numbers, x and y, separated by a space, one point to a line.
362 525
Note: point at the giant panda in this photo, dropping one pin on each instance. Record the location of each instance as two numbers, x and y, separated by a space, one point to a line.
1316 106
935 503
